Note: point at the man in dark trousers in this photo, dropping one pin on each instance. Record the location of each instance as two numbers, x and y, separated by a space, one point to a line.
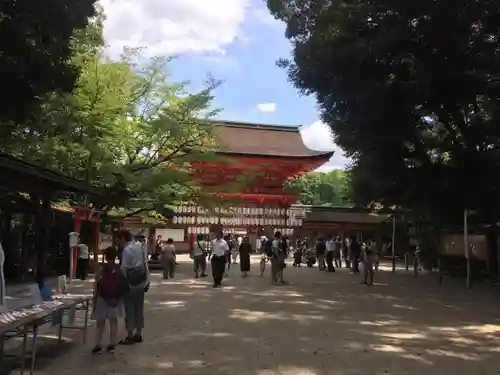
355 253
320 253
220 249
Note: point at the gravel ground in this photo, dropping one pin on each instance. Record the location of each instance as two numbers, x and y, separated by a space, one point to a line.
318 324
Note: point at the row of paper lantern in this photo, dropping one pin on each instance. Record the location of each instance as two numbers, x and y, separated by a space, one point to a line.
206 230
234 210
297 213
284 231
198 230
236 221
250 221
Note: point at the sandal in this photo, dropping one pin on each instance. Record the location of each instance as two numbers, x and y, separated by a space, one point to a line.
96 349
137 338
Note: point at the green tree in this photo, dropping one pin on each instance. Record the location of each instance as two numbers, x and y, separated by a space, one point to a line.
323 189
125 128
35 60
410 90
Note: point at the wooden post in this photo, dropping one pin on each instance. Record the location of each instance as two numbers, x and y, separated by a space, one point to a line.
440 270
415 263
393 243
467 248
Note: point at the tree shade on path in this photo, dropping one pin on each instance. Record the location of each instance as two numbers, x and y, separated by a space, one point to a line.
321 324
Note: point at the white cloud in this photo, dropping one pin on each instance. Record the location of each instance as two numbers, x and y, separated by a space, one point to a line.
267 107
168 27
318 136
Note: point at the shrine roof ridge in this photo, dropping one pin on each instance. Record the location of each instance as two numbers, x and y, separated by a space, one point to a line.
256 125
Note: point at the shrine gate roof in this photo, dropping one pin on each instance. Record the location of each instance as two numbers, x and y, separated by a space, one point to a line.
263 140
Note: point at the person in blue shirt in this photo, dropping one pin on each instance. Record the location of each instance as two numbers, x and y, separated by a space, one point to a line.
46 294
45 289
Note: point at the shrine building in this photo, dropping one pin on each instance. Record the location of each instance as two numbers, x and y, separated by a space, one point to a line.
264 157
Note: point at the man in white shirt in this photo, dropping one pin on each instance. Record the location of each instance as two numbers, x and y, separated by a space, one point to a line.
330 252
220 249
134 267
82 265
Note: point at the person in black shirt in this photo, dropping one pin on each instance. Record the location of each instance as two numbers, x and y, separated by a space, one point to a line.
355 253
320 253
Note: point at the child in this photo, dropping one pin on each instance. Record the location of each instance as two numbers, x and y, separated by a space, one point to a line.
168 259
297 256
109 288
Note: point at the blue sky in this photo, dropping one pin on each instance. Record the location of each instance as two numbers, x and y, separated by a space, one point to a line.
236 41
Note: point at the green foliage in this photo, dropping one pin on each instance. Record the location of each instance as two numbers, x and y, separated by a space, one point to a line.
322 189
125 128
35 59
411 92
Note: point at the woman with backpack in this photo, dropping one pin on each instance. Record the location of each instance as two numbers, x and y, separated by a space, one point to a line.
109 288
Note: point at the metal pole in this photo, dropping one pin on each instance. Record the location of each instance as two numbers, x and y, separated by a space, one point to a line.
467 248
393 241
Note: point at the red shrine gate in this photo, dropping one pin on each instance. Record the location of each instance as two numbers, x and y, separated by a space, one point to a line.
260 158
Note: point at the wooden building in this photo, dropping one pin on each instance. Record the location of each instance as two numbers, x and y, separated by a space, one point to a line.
339 221
32 241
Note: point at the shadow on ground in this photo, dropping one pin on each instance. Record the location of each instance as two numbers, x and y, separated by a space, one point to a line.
319 324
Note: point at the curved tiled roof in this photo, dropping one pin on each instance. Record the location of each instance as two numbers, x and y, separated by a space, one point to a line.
263 140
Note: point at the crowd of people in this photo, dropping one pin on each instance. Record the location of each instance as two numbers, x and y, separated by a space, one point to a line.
334 252
120 287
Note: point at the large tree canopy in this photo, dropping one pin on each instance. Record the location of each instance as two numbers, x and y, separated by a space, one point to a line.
411 91
35 52
125 128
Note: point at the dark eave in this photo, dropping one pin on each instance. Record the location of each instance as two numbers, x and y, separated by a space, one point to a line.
21 175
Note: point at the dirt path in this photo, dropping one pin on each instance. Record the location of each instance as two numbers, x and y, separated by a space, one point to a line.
320 324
